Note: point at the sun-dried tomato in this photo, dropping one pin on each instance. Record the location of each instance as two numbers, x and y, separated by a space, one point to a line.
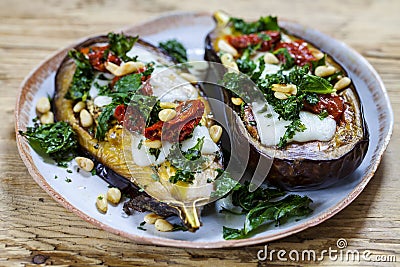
333 104
134 120
119 113
97 57
189 114
244 41
298 50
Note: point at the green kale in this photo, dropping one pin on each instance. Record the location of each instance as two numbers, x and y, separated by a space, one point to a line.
311 98
56 140
315 84
103 121
121 44
245 64
224 183
294 127
317 63
128 83
182 175
263 24
323 114
155 152
175 49
187 163
270 211
83 77
289 60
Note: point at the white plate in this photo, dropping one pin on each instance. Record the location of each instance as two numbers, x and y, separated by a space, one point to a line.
191 28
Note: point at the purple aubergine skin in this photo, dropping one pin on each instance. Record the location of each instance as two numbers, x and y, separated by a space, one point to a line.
308 171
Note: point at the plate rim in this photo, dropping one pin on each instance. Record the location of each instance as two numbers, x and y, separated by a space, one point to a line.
23 150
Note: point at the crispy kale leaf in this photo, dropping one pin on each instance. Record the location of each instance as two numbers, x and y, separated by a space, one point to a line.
175 49
263 24
56 140
121 44
83 77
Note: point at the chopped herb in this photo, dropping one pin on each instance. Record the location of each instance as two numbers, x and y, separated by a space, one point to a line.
56 140
175 49
94 172
317 63
142 223
69 171
289 60
141 228
68 180
324 113
312 98
103 121
100 197
294 127
155 152
128 83
182 175
121 44
179 227
140 144
245 64
263 24
55 177
83 77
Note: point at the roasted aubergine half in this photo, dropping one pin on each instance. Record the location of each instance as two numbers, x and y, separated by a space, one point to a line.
143 121
310 120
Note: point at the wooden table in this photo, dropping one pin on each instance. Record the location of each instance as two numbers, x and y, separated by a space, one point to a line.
34 228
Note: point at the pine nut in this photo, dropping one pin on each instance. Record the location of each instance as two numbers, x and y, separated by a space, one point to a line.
85 163
151 218
86 118
152 144
215 133
224 46
237 101
79 106
280 95
124 69
342 83
323 71
270 58
229 63
43 105
166 114
316 53
285 88
163 225
101 203
168 105
189 77
47 118
114 195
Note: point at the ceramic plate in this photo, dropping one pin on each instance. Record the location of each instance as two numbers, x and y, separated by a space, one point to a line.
79 195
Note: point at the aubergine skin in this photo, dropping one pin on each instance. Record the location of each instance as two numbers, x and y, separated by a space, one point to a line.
292 168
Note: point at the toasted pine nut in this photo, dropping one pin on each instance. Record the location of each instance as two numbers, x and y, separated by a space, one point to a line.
237 101
166 114
189 77
43 105
323 71
229 63
86 118
316 53
101 203
47 118
224 46
285 88
270 58
163 225
151 218
124 69
168 105
114 195
85 163
215 133
152 144
79 106
280 95
342 83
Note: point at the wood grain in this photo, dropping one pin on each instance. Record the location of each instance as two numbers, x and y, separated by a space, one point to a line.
34 229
